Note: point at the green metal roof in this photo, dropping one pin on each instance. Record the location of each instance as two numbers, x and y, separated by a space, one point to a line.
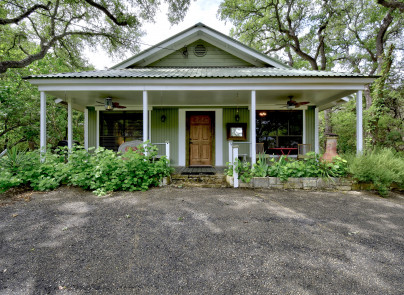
190 73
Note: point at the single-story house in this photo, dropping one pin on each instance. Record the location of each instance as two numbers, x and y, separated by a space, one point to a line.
198 91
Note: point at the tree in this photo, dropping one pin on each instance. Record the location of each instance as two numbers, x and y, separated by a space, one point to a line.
354 35
19 105
68 26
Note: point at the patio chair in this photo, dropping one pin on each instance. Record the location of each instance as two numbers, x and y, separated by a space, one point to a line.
259 148
302 150
129 145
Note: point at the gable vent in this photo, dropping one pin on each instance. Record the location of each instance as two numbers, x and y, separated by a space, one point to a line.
200 50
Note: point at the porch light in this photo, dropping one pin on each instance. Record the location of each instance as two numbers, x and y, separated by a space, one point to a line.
237 117
108 104
163 118
290 106
262 114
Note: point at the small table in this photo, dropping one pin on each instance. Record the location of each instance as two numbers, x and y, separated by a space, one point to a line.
283 150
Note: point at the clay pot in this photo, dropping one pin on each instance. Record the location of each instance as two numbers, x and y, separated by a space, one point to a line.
330 148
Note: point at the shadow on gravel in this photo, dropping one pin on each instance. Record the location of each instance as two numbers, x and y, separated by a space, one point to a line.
202 241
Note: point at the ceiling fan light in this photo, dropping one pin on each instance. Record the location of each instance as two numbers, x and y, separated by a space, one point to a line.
108 104
290 107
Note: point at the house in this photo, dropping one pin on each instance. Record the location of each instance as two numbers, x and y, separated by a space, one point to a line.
200 90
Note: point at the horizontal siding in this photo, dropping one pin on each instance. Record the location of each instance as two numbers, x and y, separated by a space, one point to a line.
165 131
214 57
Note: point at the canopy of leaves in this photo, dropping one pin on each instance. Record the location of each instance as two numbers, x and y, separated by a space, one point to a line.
363 36
19 105
29 29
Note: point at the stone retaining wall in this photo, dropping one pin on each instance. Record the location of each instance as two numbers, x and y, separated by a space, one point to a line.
305 183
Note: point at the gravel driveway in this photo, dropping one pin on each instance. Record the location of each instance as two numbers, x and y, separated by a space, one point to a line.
202 241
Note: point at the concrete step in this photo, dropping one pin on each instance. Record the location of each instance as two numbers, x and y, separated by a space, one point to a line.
217 180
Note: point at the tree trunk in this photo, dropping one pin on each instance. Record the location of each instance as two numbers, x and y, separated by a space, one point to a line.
327 122
368 97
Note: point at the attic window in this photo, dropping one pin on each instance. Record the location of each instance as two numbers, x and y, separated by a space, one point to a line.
200 50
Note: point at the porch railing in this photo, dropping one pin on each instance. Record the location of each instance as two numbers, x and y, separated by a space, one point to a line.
243 153
234 155
163 148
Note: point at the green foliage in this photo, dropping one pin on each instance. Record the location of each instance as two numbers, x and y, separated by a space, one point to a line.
68 27
243 170
382 167
19 122
311 166
101 170
307 34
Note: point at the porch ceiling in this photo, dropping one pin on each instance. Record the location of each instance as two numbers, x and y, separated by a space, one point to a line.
274 99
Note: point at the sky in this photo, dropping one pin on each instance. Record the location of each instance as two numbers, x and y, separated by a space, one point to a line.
204 11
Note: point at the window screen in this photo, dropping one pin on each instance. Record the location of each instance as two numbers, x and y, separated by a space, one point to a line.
117 127
279 128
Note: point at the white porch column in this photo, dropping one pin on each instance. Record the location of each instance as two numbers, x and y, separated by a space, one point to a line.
304 127
43 125
234 161
86 129
316 136
145 117
253 128
69 124
359 123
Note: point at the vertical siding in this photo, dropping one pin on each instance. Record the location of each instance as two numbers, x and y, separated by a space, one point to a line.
92 127
310 126
168 130
228 117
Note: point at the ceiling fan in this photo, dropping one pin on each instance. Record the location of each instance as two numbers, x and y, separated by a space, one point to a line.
293 104
110 105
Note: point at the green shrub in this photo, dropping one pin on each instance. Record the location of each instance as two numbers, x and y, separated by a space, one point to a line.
101 171
311 166
382 167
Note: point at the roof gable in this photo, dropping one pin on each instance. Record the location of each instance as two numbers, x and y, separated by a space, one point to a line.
200 54
200 32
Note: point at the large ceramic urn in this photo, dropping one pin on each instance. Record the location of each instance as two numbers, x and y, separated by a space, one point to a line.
330 147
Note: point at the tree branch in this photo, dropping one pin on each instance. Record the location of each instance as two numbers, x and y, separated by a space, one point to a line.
5 21
44 48
107 13
387 20
392 4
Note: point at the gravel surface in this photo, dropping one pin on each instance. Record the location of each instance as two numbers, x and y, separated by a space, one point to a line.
202 241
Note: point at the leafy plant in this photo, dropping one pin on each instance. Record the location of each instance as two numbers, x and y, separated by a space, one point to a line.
14 158
382 167
285 167
102 170
260 169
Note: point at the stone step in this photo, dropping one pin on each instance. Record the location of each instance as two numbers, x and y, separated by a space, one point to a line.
218 180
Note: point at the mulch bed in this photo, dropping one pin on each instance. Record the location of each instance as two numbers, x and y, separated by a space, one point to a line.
15 194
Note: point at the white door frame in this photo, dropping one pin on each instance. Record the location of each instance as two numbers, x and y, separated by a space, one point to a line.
182 128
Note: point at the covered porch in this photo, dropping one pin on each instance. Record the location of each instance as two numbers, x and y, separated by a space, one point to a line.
163 107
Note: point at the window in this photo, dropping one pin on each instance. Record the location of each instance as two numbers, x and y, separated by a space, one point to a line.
117 127
279 128
236 131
